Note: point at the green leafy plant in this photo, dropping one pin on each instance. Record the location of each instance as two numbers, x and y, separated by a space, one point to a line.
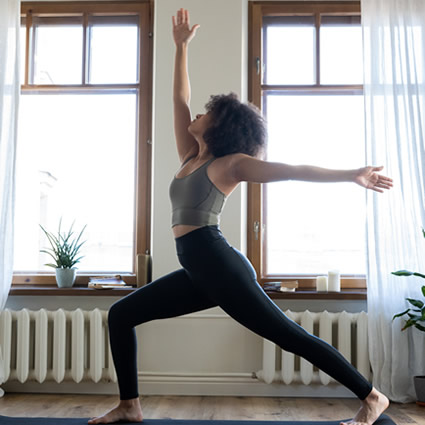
64 248
416 314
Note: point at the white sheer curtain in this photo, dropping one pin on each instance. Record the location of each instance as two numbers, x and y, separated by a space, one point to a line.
394 53
9 96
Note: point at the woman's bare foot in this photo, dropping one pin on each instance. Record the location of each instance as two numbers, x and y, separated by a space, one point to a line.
126 411
370 410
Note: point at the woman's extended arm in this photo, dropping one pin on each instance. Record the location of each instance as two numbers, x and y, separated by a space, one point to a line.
246 168
182 34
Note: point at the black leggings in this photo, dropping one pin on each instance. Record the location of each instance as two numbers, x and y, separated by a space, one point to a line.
216 274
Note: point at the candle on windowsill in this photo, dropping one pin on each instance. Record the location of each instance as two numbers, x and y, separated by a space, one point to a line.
334 281
321 283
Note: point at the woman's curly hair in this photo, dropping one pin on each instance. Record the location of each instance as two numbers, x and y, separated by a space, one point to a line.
237 127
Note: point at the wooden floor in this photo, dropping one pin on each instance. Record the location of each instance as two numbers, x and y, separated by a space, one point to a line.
178 407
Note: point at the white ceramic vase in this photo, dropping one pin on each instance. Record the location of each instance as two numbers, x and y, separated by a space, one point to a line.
65 278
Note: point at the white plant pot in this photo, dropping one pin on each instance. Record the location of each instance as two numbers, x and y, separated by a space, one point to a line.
65 278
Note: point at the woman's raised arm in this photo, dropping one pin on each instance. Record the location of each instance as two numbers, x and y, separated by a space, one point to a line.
246 168
182 34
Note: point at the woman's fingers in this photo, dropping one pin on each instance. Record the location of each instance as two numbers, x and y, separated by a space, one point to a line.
177 20
382 185
385 180
195 27
182 17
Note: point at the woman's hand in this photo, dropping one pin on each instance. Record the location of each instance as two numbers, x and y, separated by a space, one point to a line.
182 33
368 178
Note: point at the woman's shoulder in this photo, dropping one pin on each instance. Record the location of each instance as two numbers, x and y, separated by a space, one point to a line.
231 161
223 167
220 172
234 168
231 158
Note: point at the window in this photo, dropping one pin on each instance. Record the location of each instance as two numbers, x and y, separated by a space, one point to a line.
84 135
306 75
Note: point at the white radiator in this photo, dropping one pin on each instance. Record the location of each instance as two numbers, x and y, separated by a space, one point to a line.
345 331
56 345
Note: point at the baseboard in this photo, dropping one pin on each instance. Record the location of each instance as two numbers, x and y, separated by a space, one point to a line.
152 383
50 387
244 385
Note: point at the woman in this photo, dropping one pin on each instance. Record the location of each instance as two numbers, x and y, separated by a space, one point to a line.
218 151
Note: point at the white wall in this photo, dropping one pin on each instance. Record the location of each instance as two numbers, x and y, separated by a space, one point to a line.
217 64
208 352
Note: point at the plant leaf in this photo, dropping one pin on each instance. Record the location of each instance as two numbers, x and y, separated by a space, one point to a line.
414 317
402 273
401 314
420 327
51 238
64 246
51 254
416 303
408 324
76 249
78 240
77 260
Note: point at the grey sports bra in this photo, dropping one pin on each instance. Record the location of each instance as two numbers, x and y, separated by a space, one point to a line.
195 200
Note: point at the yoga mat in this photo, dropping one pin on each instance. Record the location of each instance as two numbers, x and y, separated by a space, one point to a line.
6 420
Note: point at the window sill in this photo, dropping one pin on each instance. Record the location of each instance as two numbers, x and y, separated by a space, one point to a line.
310 294
47 290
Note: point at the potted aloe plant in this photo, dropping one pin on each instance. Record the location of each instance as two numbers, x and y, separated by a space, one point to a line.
64 250
415 317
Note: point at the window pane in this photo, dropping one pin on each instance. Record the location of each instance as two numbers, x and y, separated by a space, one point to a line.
113 54
289 50
58 50
341 58
76 160
315 227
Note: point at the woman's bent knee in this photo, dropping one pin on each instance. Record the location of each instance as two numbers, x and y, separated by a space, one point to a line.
117 314
123 315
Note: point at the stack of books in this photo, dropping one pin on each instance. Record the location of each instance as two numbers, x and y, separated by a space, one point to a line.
281 286
107 282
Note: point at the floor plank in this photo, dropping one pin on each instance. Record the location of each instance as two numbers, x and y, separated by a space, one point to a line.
201 407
